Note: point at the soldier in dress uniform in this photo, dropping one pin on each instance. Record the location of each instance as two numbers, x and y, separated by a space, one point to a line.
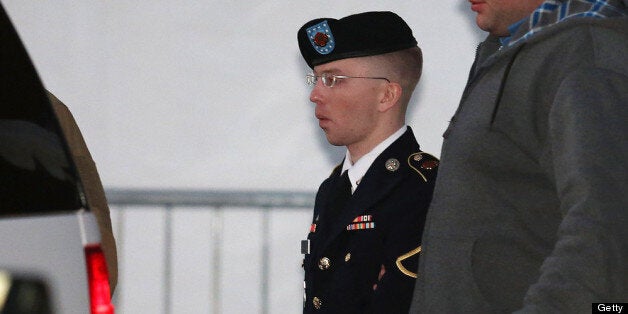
363 247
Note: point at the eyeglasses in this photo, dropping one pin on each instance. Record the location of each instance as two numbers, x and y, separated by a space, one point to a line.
329 80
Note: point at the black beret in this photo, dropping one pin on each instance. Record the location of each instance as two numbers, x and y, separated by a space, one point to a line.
365 34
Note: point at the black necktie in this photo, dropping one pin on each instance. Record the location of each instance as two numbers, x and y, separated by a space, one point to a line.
340 195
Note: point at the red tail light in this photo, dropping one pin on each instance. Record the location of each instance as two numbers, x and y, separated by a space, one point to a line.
98 279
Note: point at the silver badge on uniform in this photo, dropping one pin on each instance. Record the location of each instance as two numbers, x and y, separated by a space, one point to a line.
392 164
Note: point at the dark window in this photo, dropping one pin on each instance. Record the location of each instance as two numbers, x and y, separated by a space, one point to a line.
36 173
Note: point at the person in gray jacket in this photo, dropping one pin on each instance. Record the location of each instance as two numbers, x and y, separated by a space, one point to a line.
530 209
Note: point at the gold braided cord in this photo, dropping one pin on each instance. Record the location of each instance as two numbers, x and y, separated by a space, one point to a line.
406 256
415 169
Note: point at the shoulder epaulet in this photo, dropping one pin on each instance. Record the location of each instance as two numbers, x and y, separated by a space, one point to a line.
424 164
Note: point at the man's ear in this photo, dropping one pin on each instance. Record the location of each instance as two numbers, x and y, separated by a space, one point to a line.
391 97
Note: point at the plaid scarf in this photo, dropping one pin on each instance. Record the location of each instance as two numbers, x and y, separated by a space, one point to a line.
554 11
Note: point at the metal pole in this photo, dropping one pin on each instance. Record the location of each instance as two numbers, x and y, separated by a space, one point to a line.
265 259
119 239
168 260
216 267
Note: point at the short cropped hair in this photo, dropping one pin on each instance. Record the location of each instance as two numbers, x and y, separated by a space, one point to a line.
403 66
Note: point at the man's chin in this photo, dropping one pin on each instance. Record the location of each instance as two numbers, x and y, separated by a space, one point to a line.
333 141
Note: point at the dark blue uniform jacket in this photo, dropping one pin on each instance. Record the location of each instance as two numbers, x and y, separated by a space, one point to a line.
381 224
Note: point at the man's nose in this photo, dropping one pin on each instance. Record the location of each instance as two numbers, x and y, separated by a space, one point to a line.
315 94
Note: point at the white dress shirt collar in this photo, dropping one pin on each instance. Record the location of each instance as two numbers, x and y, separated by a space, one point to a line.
358 170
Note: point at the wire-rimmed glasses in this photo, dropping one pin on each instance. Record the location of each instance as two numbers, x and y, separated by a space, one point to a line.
329 80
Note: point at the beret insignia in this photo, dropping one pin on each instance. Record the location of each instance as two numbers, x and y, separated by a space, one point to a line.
321 38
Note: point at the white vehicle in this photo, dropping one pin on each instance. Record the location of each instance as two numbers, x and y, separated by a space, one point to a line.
47 233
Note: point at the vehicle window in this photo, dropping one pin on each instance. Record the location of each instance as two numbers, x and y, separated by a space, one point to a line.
36 173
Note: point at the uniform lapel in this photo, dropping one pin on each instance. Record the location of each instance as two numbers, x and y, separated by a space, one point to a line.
376 183
322 203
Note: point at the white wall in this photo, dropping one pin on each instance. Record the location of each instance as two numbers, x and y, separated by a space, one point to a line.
211 94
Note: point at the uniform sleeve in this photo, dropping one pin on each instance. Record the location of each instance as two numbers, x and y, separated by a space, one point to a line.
394 290
402 252
588 144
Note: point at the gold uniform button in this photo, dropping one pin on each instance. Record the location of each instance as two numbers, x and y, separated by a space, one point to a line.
348 257
317 303
324 263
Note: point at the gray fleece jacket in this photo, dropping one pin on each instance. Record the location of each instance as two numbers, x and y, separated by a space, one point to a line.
530 209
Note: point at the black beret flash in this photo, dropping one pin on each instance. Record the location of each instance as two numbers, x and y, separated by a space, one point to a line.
324 40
